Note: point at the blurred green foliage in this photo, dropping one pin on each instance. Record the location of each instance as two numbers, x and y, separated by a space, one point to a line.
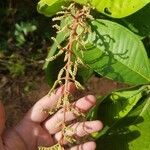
22 30
24 36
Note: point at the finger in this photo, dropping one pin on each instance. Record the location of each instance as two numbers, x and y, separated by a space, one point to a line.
2 118
53 125
37 114
80 129
85 146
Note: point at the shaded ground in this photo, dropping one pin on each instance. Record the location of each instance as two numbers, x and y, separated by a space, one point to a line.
19 94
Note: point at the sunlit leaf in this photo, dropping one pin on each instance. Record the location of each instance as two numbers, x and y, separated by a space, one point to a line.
116 8
128 132
51 7
115 52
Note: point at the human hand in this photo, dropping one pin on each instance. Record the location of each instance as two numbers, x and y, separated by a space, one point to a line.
39 129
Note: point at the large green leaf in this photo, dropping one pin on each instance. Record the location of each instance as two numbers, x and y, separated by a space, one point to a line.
139 22
116 105
51 7
52 67
130 132
119 103
61 36
116 8
115 52
84 73
141 112
146 42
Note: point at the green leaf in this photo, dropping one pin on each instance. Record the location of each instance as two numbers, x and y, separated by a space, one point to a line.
139 22
141 112
116 8
146 42
115 52
119 103
61 36
51 7
128 132
52 68
83 74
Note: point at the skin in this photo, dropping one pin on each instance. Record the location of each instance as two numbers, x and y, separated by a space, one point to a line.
39 129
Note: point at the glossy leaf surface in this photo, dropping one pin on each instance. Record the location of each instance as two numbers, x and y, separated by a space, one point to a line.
115 52
50 7
116 8
130 131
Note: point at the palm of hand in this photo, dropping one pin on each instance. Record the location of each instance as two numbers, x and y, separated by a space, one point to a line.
38 129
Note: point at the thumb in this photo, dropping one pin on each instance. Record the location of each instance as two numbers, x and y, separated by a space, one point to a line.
2 118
